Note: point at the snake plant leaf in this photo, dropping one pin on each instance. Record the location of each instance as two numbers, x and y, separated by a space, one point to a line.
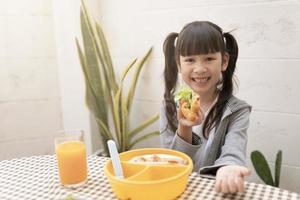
124 114
110 82
126 70
123 108
142 126
107 85
104 129
124 111
144 137
86 12
135 78
105 49
117 118
107 58
261 167
91 25
105 133
90 96
278 167
92 71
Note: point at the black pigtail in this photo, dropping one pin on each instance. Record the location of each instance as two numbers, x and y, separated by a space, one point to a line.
170 77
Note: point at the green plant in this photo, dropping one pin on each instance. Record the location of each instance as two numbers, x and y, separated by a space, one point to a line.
106 99
263 170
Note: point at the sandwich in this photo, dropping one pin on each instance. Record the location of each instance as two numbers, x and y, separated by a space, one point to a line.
188 102
158 159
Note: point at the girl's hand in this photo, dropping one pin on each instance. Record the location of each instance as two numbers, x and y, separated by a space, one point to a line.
230 179
185 126
183 121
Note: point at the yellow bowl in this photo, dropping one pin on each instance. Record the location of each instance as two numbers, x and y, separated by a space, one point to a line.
149 181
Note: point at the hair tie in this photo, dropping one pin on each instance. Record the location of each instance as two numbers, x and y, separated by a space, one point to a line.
175 41
224 36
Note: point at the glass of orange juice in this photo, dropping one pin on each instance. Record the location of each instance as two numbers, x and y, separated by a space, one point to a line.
71 158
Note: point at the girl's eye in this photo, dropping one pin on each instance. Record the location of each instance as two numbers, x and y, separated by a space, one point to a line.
210 59
189 60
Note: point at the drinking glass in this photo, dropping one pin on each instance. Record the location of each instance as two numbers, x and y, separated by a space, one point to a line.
71 157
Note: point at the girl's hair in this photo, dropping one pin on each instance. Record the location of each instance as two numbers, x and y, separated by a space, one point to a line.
199 37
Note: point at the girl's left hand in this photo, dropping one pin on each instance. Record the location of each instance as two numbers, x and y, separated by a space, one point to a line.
230 179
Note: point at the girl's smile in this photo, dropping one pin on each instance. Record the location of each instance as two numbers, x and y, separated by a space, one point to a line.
202 80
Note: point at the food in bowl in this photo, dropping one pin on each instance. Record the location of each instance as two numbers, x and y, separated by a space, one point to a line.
158 159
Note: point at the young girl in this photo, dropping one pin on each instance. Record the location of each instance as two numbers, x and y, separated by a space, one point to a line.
216 141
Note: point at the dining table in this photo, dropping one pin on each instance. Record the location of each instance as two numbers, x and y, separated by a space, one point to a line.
36 177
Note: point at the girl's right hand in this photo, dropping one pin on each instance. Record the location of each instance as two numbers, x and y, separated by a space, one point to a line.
187 123
185 126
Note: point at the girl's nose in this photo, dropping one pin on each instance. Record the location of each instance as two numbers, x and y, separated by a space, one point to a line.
200 68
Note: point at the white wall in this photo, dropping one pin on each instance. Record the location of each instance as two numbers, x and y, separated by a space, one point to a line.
268 67
42 88
30 110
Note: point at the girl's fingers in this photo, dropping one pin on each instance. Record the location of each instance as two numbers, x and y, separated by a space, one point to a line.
224 185
240 184
230 179
232 185
179 114
183 117
186 122
218 185
245 171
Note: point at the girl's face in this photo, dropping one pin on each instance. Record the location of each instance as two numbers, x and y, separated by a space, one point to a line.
202 72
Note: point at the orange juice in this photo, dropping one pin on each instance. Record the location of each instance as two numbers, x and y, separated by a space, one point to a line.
72 164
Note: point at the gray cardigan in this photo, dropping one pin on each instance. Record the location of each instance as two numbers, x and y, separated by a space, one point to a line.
226 144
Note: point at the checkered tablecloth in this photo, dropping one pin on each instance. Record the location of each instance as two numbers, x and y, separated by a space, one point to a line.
37 178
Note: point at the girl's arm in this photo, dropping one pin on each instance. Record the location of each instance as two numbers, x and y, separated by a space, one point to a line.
230 166
233 151
230 177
